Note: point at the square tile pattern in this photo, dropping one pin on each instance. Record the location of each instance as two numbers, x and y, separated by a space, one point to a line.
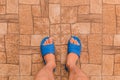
24 23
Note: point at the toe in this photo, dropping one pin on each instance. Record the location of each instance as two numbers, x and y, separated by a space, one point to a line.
50 40
72 40
76 42
46 42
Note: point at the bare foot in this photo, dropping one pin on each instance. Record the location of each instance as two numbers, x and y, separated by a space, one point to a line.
75 72
46 73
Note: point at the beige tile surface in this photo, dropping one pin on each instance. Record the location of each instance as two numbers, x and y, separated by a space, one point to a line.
24 23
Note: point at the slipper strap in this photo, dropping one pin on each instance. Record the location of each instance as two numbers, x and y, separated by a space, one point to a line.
73 48
47 49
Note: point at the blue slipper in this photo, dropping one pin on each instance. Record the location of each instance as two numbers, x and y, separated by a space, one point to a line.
73 48
46 49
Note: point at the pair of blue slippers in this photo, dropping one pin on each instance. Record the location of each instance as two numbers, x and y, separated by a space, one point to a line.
50 48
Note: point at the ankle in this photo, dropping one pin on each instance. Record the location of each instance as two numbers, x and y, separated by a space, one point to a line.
51 65
70 66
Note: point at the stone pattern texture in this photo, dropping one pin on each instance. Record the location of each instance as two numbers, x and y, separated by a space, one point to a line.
24 23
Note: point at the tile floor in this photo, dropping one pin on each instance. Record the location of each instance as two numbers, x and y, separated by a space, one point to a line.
23 24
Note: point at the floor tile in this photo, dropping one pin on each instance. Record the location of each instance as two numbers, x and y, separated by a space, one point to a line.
96 6
74 3
91 69
29 1
109 19
41 26
3 28
108 64
25 65
25 19
80 28
54 13
68 14
95 48
2 9
117 40
12 6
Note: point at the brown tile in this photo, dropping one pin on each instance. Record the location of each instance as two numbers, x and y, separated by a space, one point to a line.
111 1
41 26
3 69
12 51
25 19
12 39
54 1
12 6
36 68
74 3
29 1
3 78
65 38
108 64
65 28
117 58
96 18
109 51
57 77
14 77
2 43
54 13
84 42
95 78
56 39
63 54
108 39
83 10
3 28
13 28
2 9
2 1
91 69
84 58
118 30
57 70
109 19
36 10
35 49
108 78
37 58
36 39
96 6
63 71
117 77
117 10
9 69
58 53
13 69
68 14
25 40
25 51
117 40
64 78
95 48
80 28
25 64
2 57
96 28
117 69
44 8
55 29
26 77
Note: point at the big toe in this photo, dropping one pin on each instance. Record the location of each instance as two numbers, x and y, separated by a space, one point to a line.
72 40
